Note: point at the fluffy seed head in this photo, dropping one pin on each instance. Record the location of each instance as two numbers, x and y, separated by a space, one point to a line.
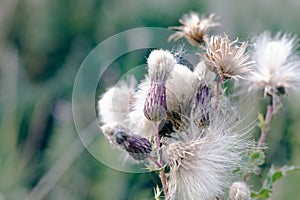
180 153
239 191
113 106
160 64
180 89
201 169
277 64
201 163
194 28
138 122
225 58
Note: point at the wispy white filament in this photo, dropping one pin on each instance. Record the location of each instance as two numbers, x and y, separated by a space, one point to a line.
181 88
277 64
113 106
139 124
160 65
201 167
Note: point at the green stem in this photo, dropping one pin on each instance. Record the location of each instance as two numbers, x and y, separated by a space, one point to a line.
265 130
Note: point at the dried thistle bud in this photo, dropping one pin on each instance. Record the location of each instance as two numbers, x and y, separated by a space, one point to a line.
194 28
225 58
160 65
155 107
239 191
137 147
202 106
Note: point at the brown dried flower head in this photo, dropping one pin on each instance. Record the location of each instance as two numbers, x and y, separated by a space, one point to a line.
194 28
226 58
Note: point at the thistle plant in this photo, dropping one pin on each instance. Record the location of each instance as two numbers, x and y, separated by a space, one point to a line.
183 124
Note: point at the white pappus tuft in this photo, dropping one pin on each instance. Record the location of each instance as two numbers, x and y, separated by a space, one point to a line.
137 120
181 88
113 106
201 167
277 64
160 64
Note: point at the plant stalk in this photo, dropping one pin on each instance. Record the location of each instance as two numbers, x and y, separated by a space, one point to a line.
265 130
162 174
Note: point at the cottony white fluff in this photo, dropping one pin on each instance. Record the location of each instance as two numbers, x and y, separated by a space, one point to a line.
139 124
277 64
113 107
200 168
160 64
204 74
181 87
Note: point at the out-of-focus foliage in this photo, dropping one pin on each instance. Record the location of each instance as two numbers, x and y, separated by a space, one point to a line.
43 43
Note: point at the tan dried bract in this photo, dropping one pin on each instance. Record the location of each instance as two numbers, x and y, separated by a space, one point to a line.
194 28
226 58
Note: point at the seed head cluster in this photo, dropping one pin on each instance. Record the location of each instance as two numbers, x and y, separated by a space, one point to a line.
200 133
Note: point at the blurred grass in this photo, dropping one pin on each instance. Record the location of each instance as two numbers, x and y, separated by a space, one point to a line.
42 45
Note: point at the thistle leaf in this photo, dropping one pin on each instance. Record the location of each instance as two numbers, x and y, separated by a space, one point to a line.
262 194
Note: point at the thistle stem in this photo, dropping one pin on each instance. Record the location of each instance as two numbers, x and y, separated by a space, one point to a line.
154 161
265 130
162 174
158 144
218 90
163 179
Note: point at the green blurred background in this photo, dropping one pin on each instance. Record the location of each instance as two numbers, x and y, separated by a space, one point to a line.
42 45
